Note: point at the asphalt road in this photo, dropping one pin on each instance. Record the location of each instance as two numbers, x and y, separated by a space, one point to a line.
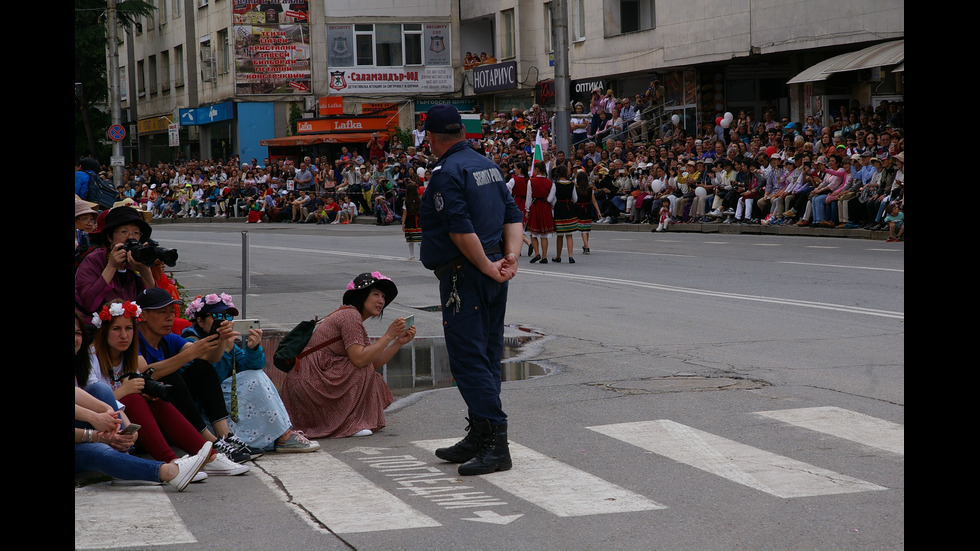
705 392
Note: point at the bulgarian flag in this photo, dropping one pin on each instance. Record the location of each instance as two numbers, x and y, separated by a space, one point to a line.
473 126
537 153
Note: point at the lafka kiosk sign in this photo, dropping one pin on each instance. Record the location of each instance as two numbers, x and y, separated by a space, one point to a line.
491 78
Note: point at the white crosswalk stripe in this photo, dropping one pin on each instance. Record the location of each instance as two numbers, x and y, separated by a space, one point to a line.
371 489
146 513
846 424
759 469
340 497
559 488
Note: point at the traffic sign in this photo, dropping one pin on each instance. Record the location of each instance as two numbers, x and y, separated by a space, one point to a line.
116 132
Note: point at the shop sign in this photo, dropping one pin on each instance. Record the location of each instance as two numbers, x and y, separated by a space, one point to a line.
207 115
498 76
392 80
350 124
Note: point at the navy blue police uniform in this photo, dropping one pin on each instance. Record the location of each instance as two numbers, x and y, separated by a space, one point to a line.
467 194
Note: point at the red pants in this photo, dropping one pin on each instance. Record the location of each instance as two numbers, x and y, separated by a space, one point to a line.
160 421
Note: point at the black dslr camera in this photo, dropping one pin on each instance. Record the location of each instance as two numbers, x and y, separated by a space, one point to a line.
149 252
151 387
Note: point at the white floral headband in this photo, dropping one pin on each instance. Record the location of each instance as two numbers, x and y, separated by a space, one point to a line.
200 302
114 310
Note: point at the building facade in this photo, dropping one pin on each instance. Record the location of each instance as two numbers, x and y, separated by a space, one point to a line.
233 75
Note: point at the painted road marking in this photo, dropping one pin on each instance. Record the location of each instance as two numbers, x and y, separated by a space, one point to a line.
140 516
764 471
345 502
422 479
900 270
846 424
556 487
720 294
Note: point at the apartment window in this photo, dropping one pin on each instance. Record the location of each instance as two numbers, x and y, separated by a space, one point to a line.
179 65
150 19
627 16
208 73
162 11
580 20
152 74
548 38
178 5
140 79
413 43
388 45
165 71
507 43
223 60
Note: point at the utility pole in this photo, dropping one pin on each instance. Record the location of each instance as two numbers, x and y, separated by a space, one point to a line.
559 26
112 36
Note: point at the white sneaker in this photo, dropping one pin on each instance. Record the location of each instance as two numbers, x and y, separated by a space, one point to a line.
222 466
188 467
363 432
201 476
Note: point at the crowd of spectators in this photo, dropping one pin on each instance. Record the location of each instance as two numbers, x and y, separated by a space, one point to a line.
768 170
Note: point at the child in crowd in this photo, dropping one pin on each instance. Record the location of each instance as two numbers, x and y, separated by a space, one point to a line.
896 223
664 216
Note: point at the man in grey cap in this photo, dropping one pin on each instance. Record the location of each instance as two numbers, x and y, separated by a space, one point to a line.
471 238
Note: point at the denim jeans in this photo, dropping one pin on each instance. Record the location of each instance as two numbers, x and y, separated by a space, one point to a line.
104 459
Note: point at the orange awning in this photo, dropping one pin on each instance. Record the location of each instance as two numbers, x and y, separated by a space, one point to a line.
310 139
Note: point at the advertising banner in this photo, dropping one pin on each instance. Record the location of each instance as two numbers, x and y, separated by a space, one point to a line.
390 80
272 47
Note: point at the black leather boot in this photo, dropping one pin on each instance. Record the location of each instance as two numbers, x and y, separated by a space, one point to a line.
492 455
464 450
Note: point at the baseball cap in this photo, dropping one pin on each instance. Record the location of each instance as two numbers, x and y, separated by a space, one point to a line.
443 119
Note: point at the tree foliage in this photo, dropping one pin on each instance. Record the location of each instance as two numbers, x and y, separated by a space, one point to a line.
92 115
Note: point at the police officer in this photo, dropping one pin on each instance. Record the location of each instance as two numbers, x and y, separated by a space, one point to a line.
471 237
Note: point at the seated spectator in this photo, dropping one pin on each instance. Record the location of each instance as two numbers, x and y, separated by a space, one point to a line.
114 359
188 368
85 223
336 391
261 420
896 223
110 271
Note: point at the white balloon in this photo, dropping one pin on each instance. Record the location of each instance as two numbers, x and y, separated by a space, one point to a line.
675 119
728 115
700 192
657 186
725 123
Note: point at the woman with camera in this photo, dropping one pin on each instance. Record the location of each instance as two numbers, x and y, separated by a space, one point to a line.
110 271
116 362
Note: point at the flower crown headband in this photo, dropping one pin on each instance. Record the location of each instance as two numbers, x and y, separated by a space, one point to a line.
376 277
129 309
198 303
